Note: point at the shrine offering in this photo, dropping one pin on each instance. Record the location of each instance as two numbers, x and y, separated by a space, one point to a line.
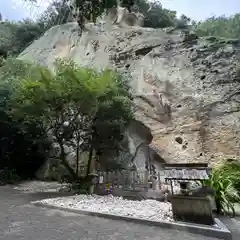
108 188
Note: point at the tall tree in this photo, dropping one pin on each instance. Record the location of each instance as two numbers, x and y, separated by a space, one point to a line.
58 12
75 102
15 36
22 145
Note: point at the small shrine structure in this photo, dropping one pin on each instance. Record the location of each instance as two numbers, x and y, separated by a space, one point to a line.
185 172
185 206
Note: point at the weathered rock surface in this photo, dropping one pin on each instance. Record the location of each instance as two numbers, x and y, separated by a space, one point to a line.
197 76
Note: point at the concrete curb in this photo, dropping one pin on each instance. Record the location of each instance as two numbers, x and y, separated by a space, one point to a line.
220 232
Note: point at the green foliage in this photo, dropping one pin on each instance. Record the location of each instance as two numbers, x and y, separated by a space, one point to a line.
157 17
226 183
16 36
21 136
182 22
81 187
95 105
58 12
98 7
227 27
15 70
51 94
232 167
8 176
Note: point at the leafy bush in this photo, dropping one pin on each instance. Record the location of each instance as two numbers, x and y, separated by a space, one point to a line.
225 181
81 187
27 148
16 36
8 176
227 27
232 168
95 105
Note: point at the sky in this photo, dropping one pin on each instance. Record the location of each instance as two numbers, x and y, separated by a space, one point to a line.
196 10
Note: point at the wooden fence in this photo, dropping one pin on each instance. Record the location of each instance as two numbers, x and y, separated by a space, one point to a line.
129 180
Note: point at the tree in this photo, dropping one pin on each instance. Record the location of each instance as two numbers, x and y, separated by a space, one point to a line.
22 146
16 36
58 12
89 9
183 21
69 104
228 27
114 112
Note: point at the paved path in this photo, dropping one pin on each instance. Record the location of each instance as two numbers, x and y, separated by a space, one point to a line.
19 220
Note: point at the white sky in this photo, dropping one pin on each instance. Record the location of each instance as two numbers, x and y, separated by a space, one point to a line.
30 10
197 10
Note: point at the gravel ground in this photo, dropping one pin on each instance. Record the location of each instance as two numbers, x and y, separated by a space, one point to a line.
39 186
145 209
23 221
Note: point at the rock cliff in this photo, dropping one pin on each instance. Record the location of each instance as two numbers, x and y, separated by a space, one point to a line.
196 76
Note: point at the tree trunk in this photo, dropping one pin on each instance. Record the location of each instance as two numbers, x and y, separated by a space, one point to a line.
77 158
65 162
218 206
90 159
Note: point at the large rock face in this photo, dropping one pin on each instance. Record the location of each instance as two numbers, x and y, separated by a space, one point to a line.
196 76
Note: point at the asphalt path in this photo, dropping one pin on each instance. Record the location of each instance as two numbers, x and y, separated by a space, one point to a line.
19 219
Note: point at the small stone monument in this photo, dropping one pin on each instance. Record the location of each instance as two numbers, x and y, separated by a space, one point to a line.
94 180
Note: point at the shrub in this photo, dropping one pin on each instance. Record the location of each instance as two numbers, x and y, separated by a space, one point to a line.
26 153
225 181
8 176
227 27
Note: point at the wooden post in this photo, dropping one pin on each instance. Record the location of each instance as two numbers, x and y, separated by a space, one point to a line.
105 178
158 187
171 186
154 183
146 179
118 179
159 180
100 180
121 179
126 180
110 178
133 179
113 179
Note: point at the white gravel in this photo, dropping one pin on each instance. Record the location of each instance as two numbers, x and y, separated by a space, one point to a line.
145 209
39 186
